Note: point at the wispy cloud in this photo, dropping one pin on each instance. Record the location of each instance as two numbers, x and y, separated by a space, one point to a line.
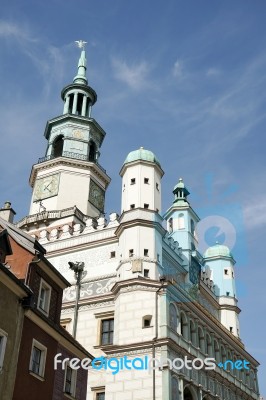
47 60
135 76
255 214
213 72
178 69
11 30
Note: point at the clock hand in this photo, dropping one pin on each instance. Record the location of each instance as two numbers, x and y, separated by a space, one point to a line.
46 187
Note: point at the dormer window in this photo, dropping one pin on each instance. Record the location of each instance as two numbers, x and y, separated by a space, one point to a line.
44 297
132 206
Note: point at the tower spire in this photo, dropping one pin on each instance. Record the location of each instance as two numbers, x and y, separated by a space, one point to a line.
82 64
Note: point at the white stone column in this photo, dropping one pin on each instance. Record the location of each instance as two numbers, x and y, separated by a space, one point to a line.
200 394
89 109
66 106
181 388
84 104
75 102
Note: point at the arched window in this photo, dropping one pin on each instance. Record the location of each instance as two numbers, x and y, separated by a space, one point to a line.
181 221
201 340
92 153
217 354
58 145
223 354
192 332
253 385
79 104
174 389
183 326
235 371
170 225
208 345
173 317
188 394
192 227
247 378
71 101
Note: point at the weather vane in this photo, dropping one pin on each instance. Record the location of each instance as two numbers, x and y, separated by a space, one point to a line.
80 43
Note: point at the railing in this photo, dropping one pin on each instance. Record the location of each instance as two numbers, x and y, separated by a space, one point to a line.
75 156
45 215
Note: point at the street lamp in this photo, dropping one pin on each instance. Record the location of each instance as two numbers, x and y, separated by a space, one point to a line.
78 268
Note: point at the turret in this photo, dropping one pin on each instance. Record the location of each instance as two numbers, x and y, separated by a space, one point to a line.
221 263
181 221
140 231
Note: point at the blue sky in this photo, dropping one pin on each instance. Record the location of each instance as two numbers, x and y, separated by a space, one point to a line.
185 79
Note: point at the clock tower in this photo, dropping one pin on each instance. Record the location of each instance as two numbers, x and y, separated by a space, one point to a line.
70 175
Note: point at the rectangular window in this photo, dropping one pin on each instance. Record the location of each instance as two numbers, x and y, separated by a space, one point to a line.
146 205
112 254
146 252
38 358
44 297
226 271
100 396
70 381
146 273
157 186
131 252
146 322
133 181
107 331
3 340
132 206
146 181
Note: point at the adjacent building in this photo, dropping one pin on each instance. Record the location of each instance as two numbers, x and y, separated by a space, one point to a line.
31 336
146 291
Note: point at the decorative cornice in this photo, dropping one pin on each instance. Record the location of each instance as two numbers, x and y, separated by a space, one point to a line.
59 161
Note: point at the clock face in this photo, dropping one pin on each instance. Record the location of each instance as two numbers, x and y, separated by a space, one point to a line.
46 187
77 134
96 196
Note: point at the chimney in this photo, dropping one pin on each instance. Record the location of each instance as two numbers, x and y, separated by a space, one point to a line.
7 213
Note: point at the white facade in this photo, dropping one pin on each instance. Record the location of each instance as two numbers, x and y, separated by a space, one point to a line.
143 291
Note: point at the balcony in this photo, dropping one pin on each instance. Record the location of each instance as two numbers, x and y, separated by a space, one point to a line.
75 156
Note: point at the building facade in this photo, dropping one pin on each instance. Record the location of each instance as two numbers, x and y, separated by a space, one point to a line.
146 292
31 335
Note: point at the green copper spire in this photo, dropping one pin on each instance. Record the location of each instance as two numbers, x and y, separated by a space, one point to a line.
82 65
180 191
